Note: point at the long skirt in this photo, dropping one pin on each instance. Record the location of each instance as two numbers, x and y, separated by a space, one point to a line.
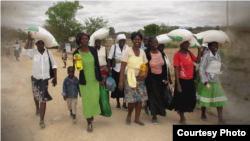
213 97
137 94
117 93
155 91
16 53
40 90
186 100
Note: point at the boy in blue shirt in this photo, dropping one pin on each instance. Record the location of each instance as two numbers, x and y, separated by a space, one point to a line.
70 91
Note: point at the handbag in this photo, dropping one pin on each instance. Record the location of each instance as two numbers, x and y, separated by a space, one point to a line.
113 63
194 74
51 72
167 96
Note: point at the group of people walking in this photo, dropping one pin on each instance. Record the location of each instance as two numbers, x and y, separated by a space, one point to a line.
143 92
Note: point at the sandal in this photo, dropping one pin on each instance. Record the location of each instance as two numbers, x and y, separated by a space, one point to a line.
141 123
90 128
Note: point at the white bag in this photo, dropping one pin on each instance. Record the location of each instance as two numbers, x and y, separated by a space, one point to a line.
99 34
163 39
39 33
212 36
181 35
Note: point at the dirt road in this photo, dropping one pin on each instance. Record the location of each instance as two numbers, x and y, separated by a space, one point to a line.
19 122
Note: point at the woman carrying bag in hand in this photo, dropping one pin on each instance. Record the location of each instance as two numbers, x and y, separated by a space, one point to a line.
115 57
89 79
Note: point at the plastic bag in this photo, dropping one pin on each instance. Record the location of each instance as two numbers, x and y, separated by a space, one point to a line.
39 33
110 84
163 39
167 97
104 102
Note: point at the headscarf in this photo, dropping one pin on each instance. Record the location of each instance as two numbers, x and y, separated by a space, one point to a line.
39 40
79 36
205 45
120 37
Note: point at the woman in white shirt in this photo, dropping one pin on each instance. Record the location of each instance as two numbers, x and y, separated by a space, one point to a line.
42 61
103 60
117 52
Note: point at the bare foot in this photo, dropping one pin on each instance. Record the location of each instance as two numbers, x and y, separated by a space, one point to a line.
222 123
183 122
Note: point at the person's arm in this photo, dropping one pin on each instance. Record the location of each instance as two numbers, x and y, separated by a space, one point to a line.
198 59
110 56
202 69
108 62
54 67
29 39
26 51
176 70
120 85
64 90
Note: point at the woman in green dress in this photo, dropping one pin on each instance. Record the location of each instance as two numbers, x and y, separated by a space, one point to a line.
89 79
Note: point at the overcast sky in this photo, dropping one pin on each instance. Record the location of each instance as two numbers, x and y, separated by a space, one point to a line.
132 15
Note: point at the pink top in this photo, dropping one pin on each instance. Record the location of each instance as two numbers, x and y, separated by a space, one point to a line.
156 63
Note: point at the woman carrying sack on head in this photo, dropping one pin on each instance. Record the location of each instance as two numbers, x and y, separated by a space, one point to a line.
184 99
43 63
103 59
116 52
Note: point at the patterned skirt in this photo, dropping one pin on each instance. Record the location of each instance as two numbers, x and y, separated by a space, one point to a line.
138 94
16 53
40 90
213 97
104 72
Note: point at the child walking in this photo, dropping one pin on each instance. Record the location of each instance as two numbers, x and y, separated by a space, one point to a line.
64 57
210 92
70 91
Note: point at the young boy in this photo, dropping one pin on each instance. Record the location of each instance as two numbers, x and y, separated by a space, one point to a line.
70 91
64 57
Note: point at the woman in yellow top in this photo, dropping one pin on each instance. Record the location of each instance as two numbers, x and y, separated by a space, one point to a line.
134 89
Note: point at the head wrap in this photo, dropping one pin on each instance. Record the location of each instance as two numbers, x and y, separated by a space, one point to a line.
120 37
205 45
79 36
39 40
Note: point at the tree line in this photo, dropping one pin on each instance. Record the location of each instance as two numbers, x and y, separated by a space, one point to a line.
61 23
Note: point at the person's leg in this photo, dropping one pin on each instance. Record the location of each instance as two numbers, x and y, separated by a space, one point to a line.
138 112
74 103
37 107
182 117
203 114
118 106
69 103
64 64
42 113
124 105
220 117
90 126
131 107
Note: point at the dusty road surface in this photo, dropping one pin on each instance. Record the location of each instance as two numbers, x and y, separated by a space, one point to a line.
19 122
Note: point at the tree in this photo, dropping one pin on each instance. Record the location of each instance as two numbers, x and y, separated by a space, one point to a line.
164 28
111 31
62 23
92 24
151 30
